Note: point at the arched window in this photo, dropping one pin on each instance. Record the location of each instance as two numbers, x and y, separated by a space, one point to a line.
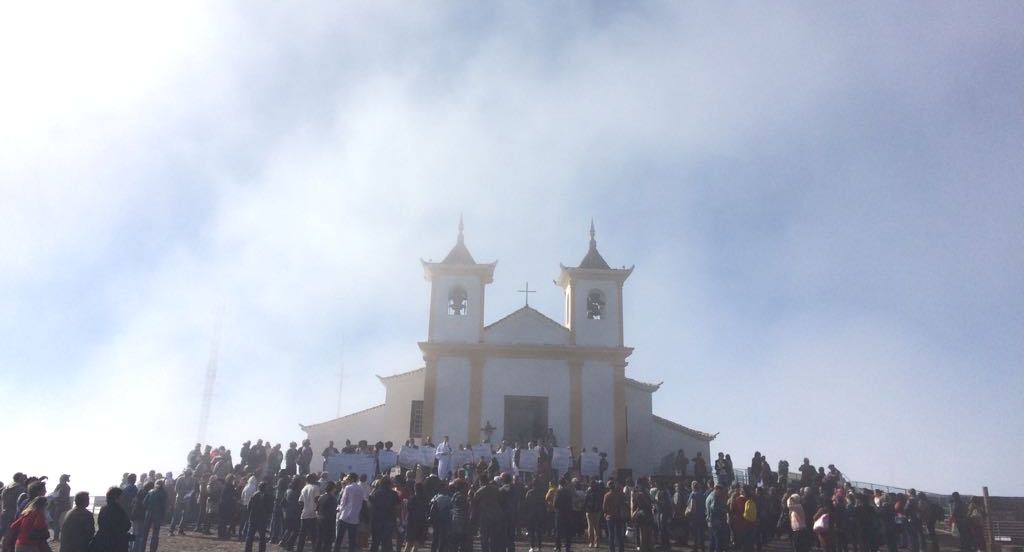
458 301
595 304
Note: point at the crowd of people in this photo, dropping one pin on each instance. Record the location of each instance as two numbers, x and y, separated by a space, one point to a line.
276 497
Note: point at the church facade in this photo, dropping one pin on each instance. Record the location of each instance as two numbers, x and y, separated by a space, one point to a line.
525 376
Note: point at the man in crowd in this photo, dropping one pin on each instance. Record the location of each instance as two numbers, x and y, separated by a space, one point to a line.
78 526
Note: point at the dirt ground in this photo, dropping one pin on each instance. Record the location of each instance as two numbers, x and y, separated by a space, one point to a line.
203 543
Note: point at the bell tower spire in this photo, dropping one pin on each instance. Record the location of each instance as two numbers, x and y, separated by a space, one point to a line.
457 294
593 298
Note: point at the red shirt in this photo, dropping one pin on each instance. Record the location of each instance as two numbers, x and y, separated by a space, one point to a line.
29 523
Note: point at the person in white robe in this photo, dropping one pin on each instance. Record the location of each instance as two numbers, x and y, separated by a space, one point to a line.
444 459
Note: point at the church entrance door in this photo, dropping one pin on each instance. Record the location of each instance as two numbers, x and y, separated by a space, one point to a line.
526 418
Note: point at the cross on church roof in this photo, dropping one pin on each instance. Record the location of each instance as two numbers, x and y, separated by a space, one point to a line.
526 292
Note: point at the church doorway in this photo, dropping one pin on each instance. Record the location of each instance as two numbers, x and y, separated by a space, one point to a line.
526 418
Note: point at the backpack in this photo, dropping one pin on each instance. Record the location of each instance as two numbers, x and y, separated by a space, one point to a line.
750 511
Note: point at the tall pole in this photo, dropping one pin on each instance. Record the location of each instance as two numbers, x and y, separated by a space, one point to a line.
341 385
211 379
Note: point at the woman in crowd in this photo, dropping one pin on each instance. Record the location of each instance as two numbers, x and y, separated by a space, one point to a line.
797 523
30 529
416 518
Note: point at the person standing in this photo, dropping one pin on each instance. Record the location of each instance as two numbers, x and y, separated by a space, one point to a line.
328 452
563 515
383 516
261 505
700 467
350 507
592 507
460 533
416 518
250 490
30 531
487 511
291 459
443 453
613 505
681 464
155 510
717 510
277 517
184 490
305 457
138 517
307 518
292 513
9 501
439 517
274 459
112 525
798 524
61 503
326 515
227 508
696 515
536 513
78 527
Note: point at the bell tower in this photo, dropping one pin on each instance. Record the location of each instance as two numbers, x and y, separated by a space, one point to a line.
593 299
457 295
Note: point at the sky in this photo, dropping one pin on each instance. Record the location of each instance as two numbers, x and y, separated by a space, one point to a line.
824 202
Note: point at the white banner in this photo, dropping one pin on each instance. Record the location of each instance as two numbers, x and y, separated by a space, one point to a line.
387 460
590 464
504 460
527 460
428 455
461 458
481 450
408 457
561 460
362 464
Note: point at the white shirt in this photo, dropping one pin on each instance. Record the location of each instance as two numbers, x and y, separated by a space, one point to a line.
308 499
351 503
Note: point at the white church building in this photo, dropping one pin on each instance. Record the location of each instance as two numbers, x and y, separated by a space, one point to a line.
523 374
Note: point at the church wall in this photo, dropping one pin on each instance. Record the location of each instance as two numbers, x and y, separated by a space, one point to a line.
641 447
598 388
528 377
387 422
604 332
669 440
452 399
367 424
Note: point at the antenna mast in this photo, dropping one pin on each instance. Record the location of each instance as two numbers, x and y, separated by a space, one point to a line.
211 378
341 385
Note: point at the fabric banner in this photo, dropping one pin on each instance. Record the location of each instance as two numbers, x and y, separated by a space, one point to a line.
428 453
561 460
362 464
527 460
504 460
481 449
590 464
387 460
462 457
408 457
